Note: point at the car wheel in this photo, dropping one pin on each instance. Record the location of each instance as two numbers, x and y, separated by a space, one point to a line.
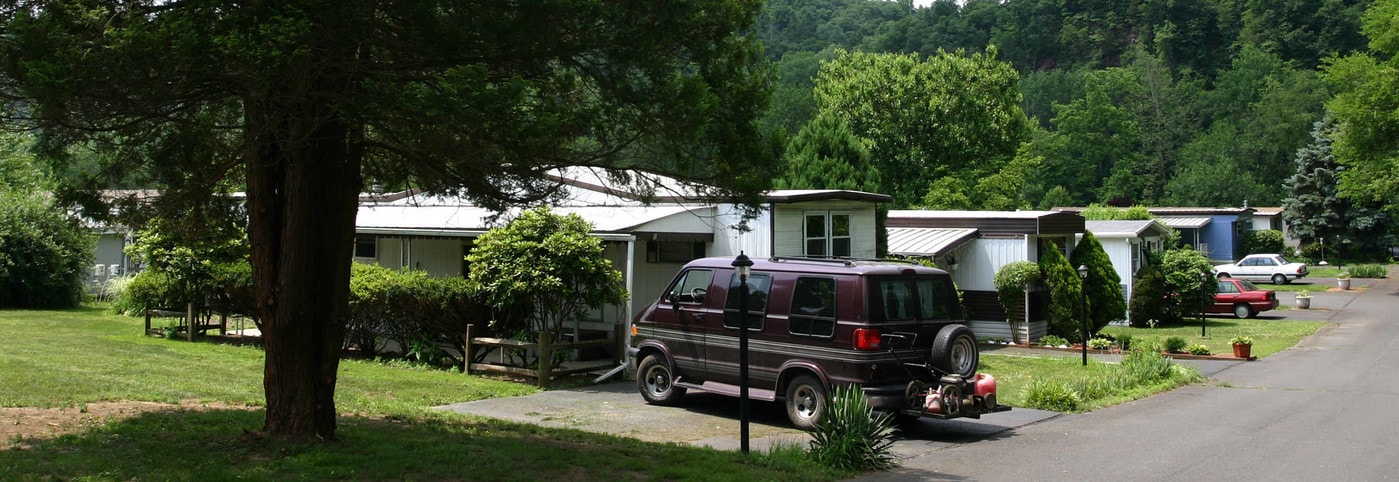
656 381
806 402
1222 275
1279 279
1243 310
954 351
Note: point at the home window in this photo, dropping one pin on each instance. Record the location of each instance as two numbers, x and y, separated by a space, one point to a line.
813 307
658 251
827 234
365 248
759 285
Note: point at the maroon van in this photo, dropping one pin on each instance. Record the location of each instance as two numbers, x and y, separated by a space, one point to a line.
813 324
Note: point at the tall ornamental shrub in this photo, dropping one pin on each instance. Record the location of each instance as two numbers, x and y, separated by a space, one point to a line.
1188 278
1064 291
1148 303
1011 282
548 262
1103 286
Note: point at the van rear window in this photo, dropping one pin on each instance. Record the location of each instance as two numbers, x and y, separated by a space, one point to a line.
913 299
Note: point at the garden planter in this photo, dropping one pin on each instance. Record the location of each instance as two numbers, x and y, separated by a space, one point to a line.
1304 302
1344 283
1243 351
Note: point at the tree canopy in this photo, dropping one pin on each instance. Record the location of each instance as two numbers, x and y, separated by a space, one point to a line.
922 119
298 102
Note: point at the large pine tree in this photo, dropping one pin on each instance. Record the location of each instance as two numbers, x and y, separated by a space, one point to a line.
298 101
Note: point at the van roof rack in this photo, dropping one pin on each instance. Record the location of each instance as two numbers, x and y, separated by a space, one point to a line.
848 262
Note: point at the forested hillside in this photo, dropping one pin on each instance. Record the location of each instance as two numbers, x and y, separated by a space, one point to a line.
1036 103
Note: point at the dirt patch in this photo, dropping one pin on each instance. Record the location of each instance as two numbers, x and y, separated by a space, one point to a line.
21 427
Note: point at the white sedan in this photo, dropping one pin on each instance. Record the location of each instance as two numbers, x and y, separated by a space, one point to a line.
1263 267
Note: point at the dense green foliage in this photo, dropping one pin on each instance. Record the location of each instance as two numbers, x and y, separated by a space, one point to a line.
1368 105
1263 241
851 437
1103 288
304 102
1193 103
44 252
922 120
418 313
1148 304
1012 280
826 155
1188 282
1065 311
549 262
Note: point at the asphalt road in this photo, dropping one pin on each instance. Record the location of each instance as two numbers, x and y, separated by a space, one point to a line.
1322 410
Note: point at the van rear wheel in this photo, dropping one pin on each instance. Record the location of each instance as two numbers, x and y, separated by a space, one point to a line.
954 351
806 402
656 381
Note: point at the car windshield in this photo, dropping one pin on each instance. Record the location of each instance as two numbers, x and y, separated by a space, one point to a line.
1247 286
1282 260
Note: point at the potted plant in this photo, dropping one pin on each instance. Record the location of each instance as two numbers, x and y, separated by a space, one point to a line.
1343 280
1243 346
1304 299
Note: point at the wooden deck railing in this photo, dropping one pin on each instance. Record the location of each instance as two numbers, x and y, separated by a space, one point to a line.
545 349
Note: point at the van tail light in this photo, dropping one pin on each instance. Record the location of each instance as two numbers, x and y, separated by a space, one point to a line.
866 339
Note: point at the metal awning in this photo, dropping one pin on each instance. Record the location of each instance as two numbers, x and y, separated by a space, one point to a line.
927 241
1184 222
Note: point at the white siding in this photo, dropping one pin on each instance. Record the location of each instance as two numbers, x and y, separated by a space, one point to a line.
1032 331
977 266
791 218
439 257
110 252
756 243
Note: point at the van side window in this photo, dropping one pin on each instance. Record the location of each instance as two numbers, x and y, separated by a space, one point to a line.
898 300
759 285
691 287
933 302
813 307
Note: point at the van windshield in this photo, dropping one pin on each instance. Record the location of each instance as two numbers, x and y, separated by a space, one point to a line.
905 299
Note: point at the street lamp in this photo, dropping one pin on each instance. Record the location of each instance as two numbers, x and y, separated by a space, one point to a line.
1204 278
1083 307
743 266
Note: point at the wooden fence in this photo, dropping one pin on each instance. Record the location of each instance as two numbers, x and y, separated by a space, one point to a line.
545 348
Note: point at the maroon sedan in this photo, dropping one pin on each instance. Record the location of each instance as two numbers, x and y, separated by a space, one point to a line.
1242 298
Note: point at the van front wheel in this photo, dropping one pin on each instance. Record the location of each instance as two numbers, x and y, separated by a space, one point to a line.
656 381
954 351
806 402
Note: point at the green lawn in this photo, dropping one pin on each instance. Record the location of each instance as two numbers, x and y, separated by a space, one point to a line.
1269 336
1014 375
71 358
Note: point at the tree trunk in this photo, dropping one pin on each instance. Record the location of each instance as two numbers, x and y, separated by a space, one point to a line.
303 185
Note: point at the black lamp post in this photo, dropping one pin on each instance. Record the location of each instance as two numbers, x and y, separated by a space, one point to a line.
1083 307
1204 278
743 266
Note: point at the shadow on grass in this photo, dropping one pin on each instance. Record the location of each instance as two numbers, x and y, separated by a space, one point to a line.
223 444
